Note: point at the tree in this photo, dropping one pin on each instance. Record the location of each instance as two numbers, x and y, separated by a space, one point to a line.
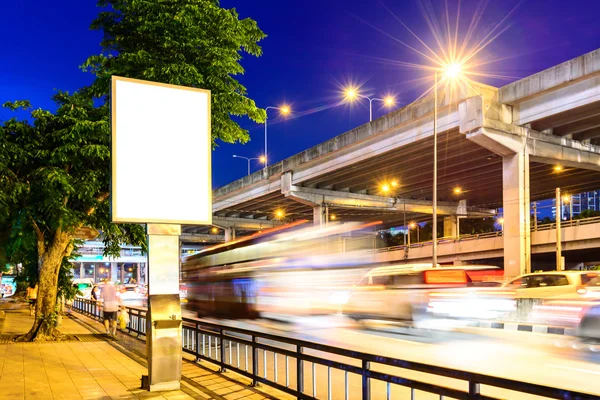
55 179
55 167
184 42
472 226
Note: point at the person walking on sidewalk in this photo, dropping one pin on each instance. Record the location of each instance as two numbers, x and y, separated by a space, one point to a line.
110 307
32 292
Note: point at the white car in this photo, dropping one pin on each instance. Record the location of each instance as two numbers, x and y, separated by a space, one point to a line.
557 284
130 294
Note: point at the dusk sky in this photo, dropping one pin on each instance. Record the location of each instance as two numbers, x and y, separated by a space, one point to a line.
313 48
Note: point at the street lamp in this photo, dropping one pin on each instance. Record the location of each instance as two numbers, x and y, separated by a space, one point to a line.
284 110
450 71
279 213
262 159
413 225
352 93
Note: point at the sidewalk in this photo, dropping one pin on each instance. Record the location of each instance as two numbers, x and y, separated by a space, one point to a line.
93 366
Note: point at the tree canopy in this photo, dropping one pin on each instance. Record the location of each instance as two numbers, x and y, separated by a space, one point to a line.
183 42
55 166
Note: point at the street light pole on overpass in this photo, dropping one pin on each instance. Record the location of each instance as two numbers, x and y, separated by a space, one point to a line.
285 110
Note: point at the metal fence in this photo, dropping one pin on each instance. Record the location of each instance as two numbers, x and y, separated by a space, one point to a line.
309 370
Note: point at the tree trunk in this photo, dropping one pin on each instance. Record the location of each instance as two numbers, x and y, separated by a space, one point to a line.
45 311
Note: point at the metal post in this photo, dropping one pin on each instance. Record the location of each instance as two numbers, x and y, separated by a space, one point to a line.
370 110
366 384
474 389
406 226
266 118
570 208
558 232
222 355
535 215
254 361
299 372
434 225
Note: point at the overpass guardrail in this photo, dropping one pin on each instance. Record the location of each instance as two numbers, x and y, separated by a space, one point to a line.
487 235
286 364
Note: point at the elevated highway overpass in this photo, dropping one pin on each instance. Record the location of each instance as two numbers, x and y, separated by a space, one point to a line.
578 235
499 145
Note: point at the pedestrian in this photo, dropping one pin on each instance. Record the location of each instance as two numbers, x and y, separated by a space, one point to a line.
32 292
110 307
94 293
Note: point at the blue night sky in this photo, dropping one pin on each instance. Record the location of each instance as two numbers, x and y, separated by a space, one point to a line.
312 48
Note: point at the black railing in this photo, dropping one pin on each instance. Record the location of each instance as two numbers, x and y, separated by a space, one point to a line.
286 364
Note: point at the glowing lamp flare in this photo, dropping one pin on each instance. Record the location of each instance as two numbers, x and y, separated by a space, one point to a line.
262 159
385 188
566 198
501 221
279 213
351 93
457 190
452 70
389 101
285 110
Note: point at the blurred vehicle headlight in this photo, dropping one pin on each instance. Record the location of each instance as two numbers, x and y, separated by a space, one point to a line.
339 298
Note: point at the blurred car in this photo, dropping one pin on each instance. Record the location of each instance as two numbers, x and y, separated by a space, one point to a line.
131 294
416 292
589 326
556 284
84 285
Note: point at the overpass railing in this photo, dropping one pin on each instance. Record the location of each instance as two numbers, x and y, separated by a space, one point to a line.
487 235
309 370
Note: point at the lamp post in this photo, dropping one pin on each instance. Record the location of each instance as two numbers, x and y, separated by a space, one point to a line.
352 94
261 159
451 71
414 225
284 110
568 199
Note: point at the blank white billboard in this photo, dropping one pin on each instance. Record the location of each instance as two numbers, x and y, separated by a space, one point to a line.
161 153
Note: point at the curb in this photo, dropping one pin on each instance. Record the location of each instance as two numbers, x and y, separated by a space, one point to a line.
524 327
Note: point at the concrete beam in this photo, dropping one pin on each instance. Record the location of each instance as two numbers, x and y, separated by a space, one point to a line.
394 130
201 238
558 100
504 139
244 223
315 197
558 76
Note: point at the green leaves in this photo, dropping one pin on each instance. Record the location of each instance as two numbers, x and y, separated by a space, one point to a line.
183 42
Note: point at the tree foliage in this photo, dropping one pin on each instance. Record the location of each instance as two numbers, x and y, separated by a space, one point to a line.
184 42
54 180
55 167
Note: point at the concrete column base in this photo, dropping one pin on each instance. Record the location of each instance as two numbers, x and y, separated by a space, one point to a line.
165 386
319 215
515 204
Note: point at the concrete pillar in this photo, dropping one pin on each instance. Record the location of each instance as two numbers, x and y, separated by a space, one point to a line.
81 270
319 215
515 204
114 272
450 227
229 234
